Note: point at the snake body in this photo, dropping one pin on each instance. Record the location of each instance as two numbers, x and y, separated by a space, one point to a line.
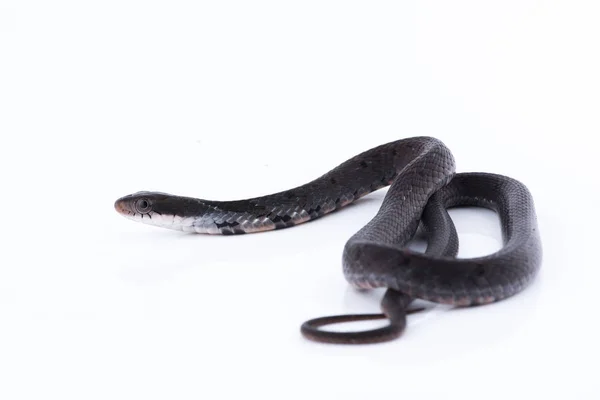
423 185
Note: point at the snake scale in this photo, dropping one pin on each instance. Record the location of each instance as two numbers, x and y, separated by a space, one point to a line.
423 185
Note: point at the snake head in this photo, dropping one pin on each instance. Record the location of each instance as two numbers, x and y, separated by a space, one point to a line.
140 205
158 209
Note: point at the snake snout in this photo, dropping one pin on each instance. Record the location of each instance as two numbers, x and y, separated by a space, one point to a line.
123 206
119 206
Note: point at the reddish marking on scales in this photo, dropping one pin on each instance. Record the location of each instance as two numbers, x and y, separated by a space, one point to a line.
301 220
485 299
463 301
364 285
344 203
263 227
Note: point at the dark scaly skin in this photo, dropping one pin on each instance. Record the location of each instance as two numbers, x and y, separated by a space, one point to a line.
353 179
421 172
372 260
442 240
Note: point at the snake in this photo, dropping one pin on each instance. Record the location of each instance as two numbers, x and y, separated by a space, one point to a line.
423 185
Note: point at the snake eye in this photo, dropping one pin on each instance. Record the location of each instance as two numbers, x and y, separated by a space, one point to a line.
143 206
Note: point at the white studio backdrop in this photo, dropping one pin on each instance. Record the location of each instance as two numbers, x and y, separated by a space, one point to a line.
229 100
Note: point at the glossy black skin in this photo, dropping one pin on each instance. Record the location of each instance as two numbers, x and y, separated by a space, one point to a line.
442 241
424 183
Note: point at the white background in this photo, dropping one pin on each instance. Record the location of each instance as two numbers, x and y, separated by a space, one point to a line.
234 99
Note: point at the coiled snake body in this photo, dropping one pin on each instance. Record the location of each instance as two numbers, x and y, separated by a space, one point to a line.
424 184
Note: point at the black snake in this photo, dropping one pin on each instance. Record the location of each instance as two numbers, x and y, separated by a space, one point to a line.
424 184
